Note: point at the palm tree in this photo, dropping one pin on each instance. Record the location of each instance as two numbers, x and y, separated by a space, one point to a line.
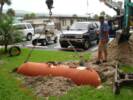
2 2
8 33
10 12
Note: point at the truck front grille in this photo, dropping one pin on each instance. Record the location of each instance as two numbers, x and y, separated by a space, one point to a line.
69 36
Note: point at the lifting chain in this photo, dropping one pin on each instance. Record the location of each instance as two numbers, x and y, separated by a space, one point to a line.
50 6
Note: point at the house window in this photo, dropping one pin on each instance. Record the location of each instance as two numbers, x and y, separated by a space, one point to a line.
71 21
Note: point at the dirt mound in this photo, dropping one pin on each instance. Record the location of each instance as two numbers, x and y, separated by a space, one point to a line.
122 53
48 86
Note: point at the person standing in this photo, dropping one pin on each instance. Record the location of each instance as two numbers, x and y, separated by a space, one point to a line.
103 41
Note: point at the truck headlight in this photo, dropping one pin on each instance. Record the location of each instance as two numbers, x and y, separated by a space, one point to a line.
62 36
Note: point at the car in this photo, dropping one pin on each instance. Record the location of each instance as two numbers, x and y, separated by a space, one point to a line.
48 34
26 29
81 34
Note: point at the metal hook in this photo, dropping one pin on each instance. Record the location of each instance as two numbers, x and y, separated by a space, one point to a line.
50 13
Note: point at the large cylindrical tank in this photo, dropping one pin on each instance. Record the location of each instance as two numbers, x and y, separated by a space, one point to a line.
78 76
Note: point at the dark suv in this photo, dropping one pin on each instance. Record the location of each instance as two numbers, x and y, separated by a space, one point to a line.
80 35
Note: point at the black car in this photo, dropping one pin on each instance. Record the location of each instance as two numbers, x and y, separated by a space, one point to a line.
80 35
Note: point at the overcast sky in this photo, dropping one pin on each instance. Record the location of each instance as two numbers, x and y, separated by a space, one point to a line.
78 7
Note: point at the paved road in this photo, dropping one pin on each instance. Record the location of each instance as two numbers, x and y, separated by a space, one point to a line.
56 46
53 46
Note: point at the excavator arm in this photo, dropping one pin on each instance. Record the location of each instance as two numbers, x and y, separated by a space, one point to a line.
117 6
126 18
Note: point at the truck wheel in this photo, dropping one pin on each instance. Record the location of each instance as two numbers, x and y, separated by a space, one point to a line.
14 51
86 45
34 42
63 45
29 37
43 42
55 40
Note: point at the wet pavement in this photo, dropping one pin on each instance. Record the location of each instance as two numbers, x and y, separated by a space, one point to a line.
56 46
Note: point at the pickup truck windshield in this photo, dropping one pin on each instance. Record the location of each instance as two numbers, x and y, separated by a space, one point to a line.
79 26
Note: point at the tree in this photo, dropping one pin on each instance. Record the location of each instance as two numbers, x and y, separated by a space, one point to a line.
29 16
2 2
96 16
32 15
10 12
26 16
108 16
8 33
102 13
75 15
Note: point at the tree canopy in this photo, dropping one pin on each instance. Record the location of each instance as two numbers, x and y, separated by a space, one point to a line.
2 3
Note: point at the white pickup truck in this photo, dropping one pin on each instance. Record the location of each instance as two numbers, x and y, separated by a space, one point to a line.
26 29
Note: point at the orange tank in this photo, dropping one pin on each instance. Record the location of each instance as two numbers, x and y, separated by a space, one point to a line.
34 69
60 71
79 77
84 77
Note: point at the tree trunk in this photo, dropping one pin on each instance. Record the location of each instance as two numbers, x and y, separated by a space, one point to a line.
6 48
1 8
5 42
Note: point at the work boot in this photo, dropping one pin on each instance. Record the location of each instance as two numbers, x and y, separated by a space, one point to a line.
97 62
104 61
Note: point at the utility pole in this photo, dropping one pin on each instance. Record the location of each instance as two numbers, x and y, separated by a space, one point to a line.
87 5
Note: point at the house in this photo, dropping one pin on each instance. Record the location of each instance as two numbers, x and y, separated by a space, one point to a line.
61 21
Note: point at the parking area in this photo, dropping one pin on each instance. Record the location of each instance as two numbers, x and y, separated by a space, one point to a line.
54 46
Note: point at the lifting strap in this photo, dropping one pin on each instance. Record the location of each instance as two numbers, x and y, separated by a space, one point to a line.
32 49
49 4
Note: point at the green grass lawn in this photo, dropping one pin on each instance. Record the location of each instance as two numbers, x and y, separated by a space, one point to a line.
126 68
11 88
89 93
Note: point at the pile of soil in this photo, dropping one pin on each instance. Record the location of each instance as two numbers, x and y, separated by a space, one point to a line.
105 70
117 53
122 53
48 86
